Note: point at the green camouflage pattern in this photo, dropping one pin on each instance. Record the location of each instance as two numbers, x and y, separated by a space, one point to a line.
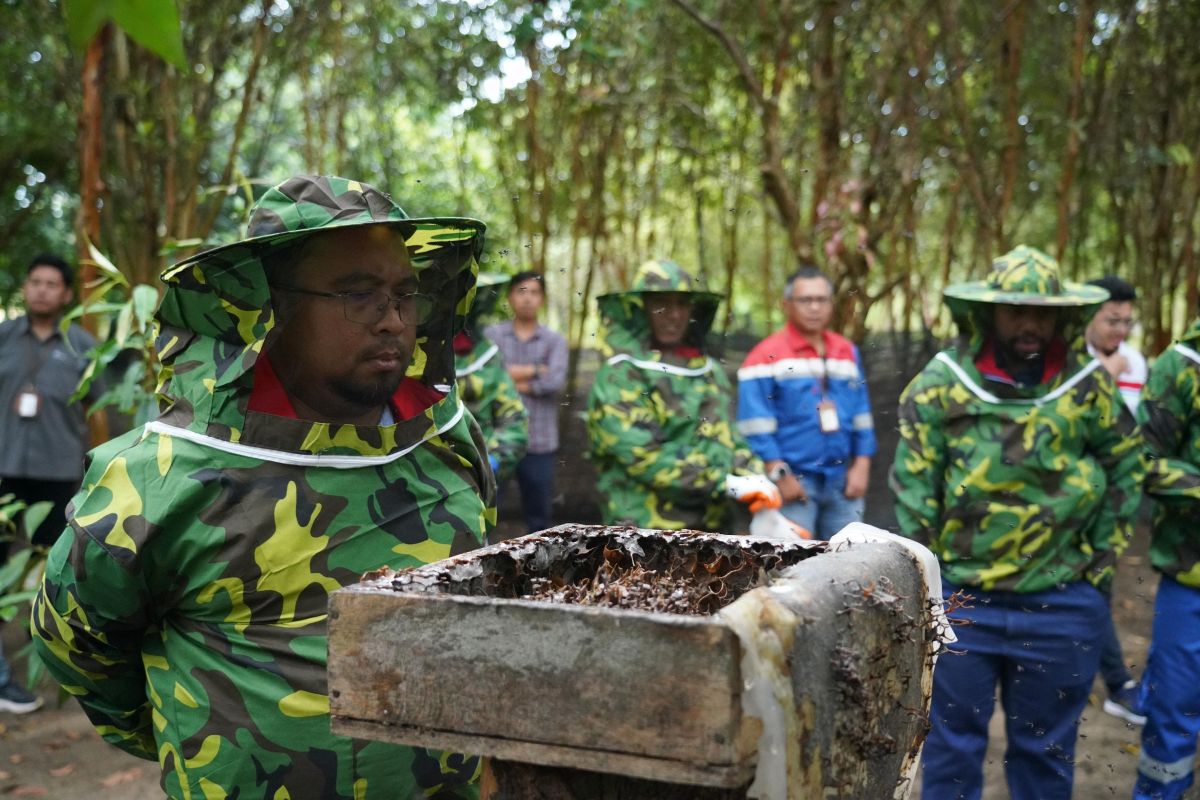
625 328
659 425
1170 418
1025 276
1026 488
185 607
484 384
490 395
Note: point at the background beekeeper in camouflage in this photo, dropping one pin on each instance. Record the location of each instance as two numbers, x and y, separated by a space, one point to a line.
658 414
311 432
1170 418
484 384
1018 465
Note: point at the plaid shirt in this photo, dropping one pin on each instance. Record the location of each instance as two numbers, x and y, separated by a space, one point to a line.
546 348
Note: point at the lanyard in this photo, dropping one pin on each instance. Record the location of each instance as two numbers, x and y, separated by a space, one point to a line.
35 356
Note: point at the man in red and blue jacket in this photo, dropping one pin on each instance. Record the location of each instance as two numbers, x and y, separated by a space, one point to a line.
804 409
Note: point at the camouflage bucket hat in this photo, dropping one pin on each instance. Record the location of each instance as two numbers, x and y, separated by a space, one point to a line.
624 312
660 275
1024 276
305 204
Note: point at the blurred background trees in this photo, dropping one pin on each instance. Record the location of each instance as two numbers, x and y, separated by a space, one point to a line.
901 145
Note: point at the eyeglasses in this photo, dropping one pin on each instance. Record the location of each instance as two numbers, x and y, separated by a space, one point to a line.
811 301
1119 322
368 308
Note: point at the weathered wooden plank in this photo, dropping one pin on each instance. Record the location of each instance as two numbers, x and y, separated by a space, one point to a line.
653 685
508 780
688 773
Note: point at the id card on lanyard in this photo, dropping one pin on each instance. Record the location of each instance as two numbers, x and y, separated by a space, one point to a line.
28 401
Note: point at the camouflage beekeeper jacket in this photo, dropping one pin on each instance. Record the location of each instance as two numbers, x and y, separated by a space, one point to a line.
1170 418
659 423
492 398
213 536
1017 488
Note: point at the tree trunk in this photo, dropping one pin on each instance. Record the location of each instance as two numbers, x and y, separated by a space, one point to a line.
91 154
1079 42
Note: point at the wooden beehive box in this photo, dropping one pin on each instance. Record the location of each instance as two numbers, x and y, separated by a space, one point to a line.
457 656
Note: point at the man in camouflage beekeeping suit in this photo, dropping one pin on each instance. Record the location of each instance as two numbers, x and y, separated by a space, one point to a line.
1019 468
1170 417
485 386
311 432
658 413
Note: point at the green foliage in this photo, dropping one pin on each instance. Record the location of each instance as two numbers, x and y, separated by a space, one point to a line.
38 95
916 139
125 323
21 574
154 24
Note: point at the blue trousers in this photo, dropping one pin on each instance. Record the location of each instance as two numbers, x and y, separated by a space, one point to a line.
827 509
535 477
1170 696
1113 671
1042 650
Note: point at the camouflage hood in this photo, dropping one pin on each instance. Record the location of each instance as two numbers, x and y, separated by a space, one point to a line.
489 288
1023 276
1191 337
626 328
216 313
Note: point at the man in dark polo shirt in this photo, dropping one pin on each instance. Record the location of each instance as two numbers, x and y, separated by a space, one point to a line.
43 434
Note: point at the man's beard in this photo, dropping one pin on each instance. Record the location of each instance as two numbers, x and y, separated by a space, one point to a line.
375 392
1011 355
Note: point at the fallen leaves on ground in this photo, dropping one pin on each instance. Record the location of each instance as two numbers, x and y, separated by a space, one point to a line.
65 769
123 776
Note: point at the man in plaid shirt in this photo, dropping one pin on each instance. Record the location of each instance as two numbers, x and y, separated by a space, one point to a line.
536 358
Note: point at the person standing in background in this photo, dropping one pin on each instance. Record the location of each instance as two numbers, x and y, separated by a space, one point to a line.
536 359
44 434
1106 339
1170 418
486 388
1020 468
803 407
1106 334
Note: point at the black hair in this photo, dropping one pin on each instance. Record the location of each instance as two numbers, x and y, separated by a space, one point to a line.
1119 291
527 275
56 262
805 272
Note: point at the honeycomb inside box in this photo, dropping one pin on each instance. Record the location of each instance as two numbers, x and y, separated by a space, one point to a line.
677 572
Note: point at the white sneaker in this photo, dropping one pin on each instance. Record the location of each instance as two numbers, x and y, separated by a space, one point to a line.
15 699
1124 703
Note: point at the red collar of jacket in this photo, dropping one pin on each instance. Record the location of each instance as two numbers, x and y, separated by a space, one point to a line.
463 344
681 351
1054 362
269 397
